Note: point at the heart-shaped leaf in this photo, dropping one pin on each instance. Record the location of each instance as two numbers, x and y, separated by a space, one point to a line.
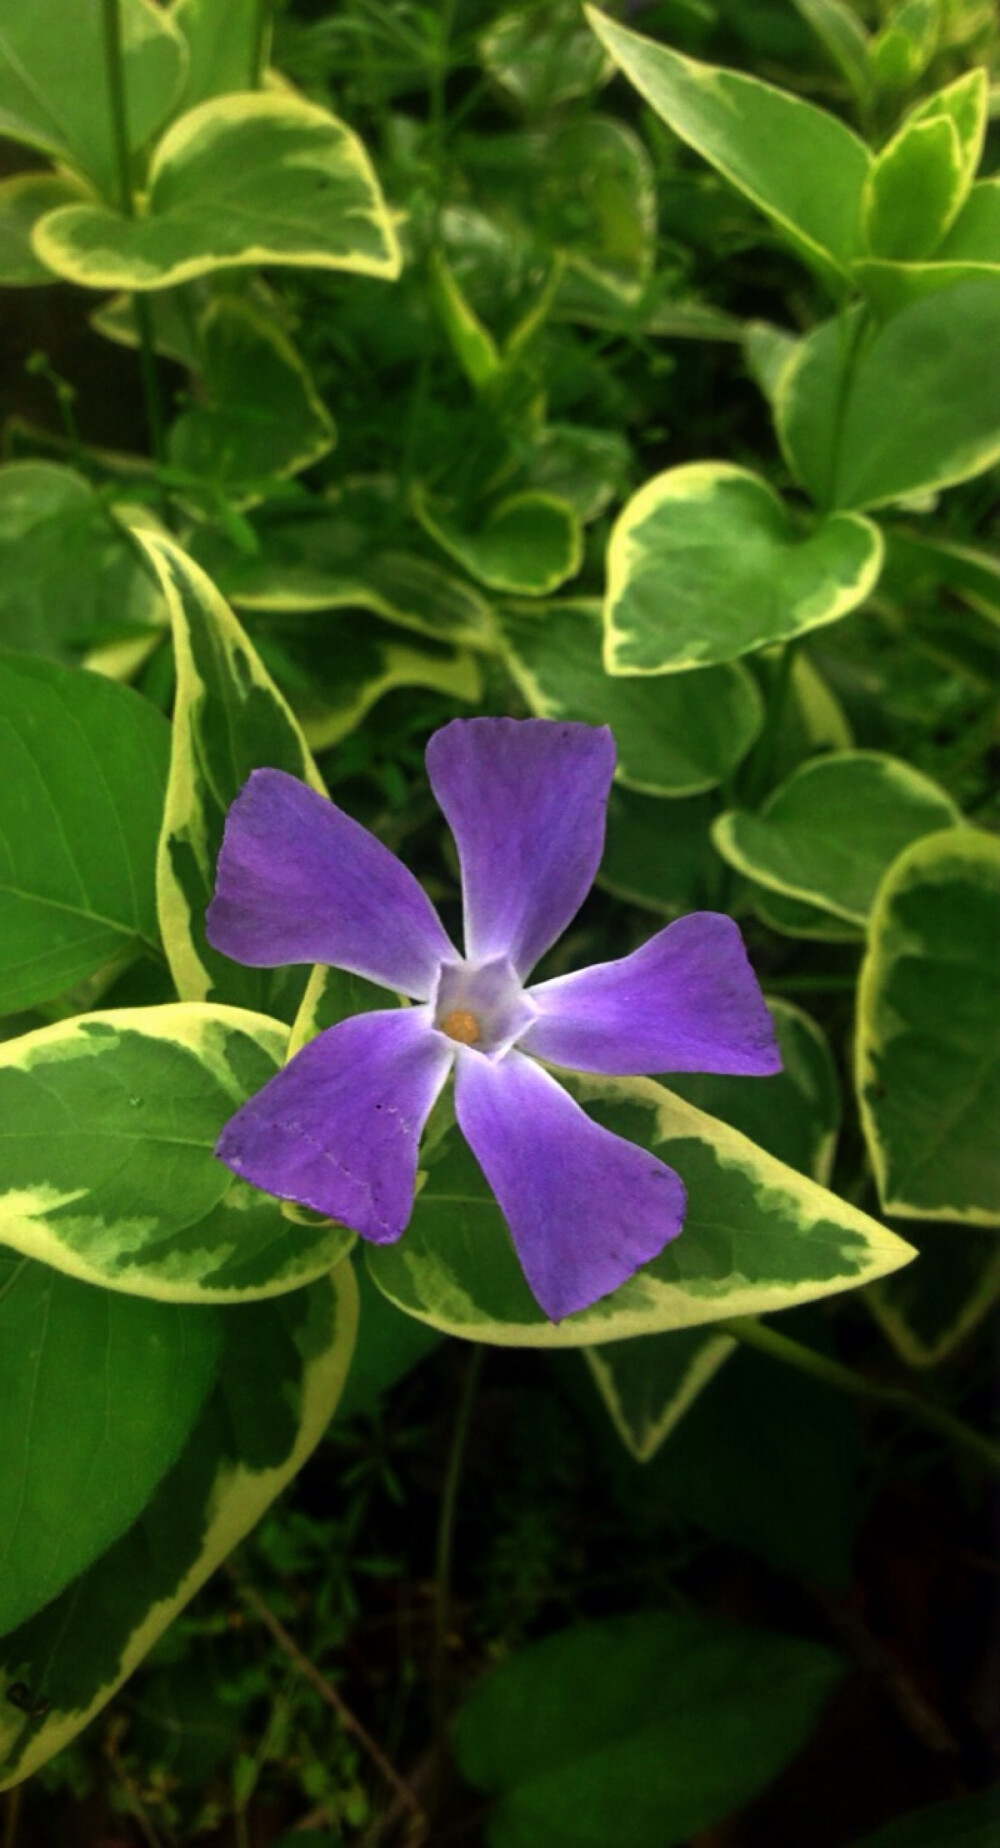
245 179
706 564
528 544
828 835
675 735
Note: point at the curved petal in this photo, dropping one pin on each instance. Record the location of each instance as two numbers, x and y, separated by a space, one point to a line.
525 800
687 1001
299 881
585 1208
338 1129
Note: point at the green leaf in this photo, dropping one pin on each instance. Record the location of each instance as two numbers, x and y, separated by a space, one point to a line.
933 1306
53 90
827 836
388 1347
229 719
915 407
706 564
659 853
812 719
965 104
969 252
914 191
257 416
635 1728
803 168
282 1370
791 918
337 671
335 555
901 52
110 1175
543 56
221 40
23 201
795 1115
966 1822
83 773
675 736
928 1048
528 544
99 1394
248 179
757 1236
648 1385
67 563
840 30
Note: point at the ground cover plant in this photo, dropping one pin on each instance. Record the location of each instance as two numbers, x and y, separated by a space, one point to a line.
497 1320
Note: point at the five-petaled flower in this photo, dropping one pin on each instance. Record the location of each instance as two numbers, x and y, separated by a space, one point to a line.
339 1128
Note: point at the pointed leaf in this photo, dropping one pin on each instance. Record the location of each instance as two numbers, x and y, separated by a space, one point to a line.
675 735
83 775
282 1371
828 835
800 166
649 1384
706 564
110 1175
916 408
246 179
914 191
99 1394
928 1049
635 1728
229 719
67 563
756 1237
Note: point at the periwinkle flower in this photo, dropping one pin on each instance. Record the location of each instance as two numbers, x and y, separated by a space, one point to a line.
339 1128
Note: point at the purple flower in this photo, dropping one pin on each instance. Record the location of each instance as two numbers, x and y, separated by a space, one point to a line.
339 1128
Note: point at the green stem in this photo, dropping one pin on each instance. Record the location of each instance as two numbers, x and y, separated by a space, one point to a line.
118 104
833 1373
445 1540
261 43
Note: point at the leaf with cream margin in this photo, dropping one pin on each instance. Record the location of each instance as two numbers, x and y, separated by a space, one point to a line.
245 179
229 719
928 1041
827 835
281 1373
676 736
648 1385
110 1173
24 199
706 564
757 1237
800 166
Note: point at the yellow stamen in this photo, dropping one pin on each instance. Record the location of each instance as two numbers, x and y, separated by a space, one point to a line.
462 1026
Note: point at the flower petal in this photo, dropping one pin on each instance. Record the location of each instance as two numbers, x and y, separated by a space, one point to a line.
585 1208
338 1128
687 1001
525 800
299 882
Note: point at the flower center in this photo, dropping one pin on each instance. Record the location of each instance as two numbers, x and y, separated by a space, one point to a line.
481 1005
461 1025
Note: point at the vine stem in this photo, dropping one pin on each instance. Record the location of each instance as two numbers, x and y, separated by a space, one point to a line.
445 1547
833 1373
118 104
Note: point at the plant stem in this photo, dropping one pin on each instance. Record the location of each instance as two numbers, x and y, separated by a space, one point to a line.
118 105
261 43
833 1373
445 1539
